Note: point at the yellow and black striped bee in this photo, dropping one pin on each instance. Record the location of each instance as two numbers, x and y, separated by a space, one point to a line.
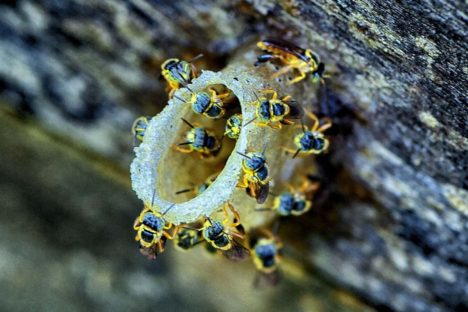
304 61
290 204
208 104
266 256
295 202
178 72
220 235
186 238
272 111
256 176
201 140
311 141
233 126
139 127
153 231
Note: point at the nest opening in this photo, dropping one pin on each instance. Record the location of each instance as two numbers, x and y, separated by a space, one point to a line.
202 171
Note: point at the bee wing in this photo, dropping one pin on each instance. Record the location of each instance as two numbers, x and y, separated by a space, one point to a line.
237 252
285 46
258 191
264 280
262 193
295 110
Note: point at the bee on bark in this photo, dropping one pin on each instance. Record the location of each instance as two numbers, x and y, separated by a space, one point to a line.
293 58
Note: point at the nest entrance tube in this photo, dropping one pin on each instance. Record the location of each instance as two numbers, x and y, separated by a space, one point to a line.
192 169
158 169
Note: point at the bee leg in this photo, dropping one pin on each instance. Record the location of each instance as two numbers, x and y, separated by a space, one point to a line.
174 233
290 187
314 119
244 183
275 125
282 71
289 150
265 58
239 235
287 122
234 212
274 94
183 150
160 247
327 124
298 78
287 98
194 70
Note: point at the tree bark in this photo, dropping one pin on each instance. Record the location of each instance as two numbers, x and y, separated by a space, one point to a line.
391 222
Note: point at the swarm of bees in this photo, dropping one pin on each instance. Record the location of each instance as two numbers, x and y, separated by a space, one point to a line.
223 232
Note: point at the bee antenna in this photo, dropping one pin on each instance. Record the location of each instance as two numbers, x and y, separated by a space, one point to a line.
243 155
297 153
249 122
152 198
184 143
187 123
189 228
275 228
263 209
167 210
302 125
256 96
264 149
184 191
199 56
187 87
209 220
179 98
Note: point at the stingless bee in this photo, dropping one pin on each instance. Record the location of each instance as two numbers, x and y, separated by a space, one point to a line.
266 256
256 175
272 111
201 140
220 235
208 104
186 238
295 201
139 127
178 72
153 230
233 126
311 141
304 61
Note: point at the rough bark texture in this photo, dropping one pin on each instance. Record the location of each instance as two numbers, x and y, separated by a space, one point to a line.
391 222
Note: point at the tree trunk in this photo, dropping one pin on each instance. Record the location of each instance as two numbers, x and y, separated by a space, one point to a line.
390 225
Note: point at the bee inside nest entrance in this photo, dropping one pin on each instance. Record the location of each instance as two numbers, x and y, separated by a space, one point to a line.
201 148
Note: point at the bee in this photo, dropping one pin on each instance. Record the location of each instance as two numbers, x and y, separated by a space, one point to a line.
187 238
256 175
139 127
220 235
178 72
295 202
266 255
311 141
290 204
200 188
208 104
233 126
273 112
201 140
304 61
153 230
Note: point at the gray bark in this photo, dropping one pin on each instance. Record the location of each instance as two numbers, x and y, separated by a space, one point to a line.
390 224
